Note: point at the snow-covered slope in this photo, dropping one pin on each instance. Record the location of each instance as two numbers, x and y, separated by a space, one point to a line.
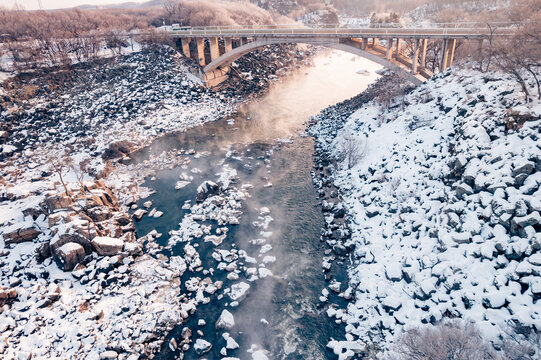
444 207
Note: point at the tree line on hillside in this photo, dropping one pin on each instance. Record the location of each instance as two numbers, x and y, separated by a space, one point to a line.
34 39
519 56
218 13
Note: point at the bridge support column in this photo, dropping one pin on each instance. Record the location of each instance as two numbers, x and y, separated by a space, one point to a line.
374 41
214 48
243 41
228 44
200 46
185 43
364 43
415 57
444 54
389 49
398 46
424 46
452 50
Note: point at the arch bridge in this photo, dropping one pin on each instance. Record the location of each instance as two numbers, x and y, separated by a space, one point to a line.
216 48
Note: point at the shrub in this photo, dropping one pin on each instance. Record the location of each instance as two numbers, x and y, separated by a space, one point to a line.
453 340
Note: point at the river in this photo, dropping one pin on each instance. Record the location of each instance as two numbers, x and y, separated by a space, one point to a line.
282 315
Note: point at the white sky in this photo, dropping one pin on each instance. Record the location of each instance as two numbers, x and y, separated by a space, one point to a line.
58 4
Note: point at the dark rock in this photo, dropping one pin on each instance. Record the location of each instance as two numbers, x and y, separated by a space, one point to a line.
43 252
117 150
69 255
524 169
72 238
339 249
207 189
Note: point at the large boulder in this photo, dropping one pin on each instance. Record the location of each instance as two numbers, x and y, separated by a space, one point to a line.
107 246
226 320
21 235
202 346
71 238
69 255
117 150
60 201
99 213
207 189
7 296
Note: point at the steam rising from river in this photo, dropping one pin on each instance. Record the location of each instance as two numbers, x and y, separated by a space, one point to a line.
283 113
288 299
289 104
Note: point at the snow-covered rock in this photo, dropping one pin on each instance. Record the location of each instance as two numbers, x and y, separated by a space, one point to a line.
69 255
225 321
105 245
443 206
239 291
202 346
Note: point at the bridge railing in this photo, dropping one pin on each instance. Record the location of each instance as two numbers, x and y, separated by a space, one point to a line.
345 31
461 25
458 25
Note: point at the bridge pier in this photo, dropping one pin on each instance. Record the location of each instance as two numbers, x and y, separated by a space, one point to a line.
415 58
216 77
389 48
185 44
444 55
452 50
398 46
228 42
243 41
200 47
214 48
424 47
364 43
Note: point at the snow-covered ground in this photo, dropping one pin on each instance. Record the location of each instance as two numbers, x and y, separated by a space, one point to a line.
116 302
444 208
121 303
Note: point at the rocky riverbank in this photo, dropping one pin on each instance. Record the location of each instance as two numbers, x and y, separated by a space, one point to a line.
442 206
70 256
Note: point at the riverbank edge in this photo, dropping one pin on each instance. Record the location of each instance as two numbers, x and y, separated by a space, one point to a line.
336 231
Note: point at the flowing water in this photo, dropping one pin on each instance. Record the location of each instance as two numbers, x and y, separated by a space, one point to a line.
282 313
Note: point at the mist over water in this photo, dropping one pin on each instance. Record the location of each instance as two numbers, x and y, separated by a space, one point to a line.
282 313
288 105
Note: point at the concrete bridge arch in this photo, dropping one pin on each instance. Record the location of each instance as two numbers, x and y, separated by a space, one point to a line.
223 61
381 45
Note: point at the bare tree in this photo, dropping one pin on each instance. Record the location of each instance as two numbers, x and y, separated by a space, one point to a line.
453 340
351 150
60 165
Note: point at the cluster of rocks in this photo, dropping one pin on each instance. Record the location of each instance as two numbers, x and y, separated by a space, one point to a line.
74 107
82 229
83 218
329 122
443 210
209 254
128 301
254 72
103 97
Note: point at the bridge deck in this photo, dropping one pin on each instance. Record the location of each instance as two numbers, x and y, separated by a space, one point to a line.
449 33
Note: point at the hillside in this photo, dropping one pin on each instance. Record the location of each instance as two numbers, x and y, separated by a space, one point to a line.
443 205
